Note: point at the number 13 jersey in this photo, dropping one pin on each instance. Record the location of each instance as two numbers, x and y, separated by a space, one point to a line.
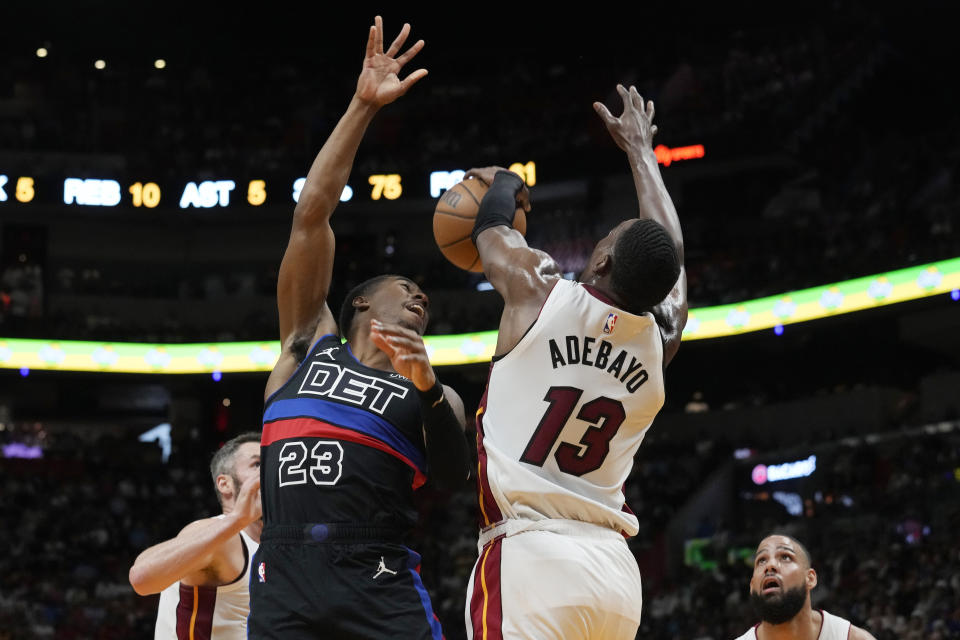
565 411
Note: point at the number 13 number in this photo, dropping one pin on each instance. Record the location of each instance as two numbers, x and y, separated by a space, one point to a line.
605 414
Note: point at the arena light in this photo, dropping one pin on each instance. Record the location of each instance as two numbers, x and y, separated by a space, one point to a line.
709 322
42 52
159 63
100 64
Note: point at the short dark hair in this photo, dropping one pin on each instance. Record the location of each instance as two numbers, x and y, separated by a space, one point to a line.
645 265
348 311
222 463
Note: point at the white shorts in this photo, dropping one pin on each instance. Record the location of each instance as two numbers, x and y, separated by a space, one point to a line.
553 578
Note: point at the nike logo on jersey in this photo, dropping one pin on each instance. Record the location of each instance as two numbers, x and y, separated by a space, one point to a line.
583 350
382 568
331 380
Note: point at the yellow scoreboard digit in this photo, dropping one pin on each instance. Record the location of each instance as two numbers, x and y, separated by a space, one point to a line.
25 191
257 192
526 171
385 185
145 195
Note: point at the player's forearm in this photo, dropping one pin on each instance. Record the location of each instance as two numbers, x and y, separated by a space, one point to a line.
448 454
652 196
331 168
190 552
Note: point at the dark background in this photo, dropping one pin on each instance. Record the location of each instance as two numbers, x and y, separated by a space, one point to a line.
831 144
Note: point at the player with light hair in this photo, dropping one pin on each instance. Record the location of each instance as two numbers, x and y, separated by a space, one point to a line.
203 574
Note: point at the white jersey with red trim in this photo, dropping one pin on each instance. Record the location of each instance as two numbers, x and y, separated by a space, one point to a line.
832 628
565 411
189 612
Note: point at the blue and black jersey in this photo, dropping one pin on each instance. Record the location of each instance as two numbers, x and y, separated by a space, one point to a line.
342 443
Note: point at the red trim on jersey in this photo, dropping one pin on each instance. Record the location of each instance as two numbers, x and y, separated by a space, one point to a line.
489 510
486 606
313 428
195 612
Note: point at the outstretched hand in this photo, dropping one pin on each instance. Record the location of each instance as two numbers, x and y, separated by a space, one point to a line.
634 130
379 82
406 351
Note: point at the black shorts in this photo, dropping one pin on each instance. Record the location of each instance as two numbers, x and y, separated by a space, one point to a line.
337 581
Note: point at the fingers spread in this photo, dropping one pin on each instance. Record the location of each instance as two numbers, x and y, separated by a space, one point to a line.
603 112
412 79
412 51
399 40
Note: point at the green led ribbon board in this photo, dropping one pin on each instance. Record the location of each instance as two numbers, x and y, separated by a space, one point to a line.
708 322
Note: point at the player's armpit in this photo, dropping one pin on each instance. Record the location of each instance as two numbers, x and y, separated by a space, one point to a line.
671 316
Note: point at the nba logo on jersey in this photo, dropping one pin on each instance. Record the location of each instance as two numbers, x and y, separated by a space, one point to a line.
262 571
610 323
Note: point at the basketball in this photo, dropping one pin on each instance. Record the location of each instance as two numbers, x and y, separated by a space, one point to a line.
453 223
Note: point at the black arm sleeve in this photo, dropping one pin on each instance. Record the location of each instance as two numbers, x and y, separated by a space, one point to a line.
499 203
447 452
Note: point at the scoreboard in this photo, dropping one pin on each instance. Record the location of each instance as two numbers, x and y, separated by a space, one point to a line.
24 187
19 189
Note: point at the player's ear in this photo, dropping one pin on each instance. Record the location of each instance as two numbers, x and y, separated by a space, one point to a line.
360 303
225 485
603 265
811 579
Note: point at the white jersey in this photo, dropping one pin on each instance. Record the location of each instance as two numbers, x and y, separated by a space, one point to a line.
207 613
565 411
832 628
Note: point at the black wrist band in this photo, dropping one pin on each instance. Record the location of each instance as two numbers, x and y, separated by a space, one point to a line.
499 204
432 396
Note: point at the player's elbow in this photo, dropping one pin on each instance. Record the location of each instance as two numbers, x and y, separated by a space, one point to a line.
140 581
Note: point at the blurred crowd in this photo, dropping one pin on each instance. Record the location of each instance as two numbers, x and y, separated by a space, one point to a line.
887 555
808 179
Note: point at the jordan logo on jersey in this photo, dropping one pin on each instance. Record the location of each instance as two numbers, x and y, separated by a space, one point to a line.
382 568
329 379
328 352
610 323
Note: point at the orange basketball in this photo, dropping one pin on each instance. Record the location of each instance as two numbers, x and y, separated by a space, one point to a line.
453 223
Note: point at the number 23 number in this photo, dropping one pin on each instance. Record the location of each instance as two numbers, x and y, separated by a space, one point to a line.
605 414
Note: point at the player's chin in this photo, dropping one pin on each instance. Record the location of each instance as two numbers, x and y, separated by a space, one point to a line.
416 327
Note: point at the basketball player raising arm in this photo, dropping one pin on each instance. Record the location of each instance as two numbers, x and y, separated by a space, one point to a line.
354 419
205 568
307 265
525 276
386 342
577 379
